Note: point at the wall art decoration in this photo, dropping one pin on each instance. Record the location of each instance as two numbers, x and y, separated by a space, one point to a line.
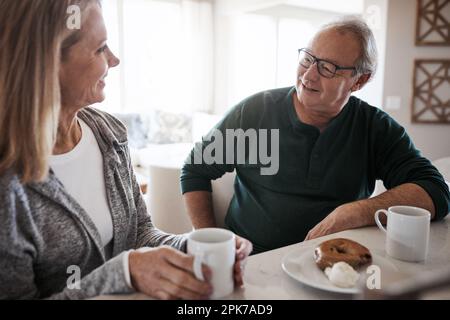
433 23
431 91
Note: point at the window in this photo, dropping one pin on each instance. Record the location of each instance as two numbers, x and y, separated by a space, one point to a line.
292 35
263 51
258 49
252 56
165 49
181 56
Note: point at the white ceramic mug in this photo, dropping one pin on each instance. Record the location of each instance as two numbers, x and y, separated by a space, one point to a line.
407 232
216 248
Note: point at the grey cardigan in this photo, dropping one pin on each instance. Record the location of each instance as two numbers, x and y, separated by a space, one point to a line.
44 231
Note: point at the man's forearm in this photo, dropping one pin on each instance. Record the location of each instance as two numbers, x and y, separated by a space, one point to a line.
200 208
361 213
407 194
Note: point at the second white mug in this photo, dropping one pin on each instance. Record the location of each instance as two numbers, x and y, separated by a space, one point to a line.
407 232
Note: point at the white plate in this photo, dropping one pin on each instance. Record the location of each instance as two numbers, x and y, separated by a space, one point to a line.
300 265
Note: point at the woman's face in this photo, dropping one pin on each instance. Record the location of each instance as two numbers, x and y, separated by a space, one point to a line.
85 66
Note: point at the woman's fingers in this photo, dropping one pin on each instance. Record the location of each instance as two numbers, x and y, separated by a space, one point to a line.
164 273
243 248
185 262
186 281
175 291
179 270
238 274
162 295
169 274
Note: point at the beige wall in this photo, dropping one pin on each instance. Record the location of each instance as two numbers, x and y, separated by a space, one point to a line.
433 140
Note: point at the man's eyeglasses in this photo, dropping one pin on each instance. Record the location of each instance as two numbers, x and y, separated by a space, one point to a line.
325 68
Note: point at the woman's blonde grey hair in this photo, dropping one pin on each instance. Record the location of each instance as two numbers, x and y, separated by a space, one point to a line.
368 60
31 36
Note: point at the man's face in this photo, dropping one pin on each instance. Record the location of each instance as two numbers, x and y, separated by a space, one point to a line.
327 96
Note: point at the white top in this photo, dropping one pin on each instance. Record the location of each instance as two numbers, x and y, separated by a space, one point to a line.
81 172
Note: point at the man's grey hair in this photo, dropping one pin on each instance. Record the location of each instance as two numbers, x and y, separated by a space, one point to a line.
368 60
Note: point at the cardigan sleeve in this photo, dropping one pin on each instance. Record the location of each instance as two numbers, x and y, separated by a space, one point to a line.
19 250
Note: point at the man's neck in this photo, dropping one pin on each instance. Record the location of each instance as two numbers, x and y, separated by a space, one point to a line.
318 120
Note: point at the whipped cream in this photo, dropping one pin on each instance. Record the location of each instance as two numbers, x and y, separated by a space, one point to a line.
342 275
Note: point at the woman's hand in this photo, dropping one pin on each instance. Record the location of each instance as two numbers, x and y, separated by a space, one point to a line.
165 273
243 250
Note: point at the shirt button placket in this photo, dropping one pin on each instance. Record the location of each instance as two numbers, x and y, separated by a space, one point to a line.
315 170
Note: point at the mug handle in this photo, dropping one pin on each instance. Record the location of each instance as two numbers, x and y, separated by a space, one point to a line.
198 259
377 219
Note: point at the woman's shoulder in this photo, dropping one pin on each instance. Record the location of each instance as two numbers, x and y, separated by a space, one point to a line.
12 192
9 183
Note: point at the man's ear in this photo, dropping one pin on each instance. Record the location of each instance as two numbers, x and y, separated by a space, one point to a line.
361 82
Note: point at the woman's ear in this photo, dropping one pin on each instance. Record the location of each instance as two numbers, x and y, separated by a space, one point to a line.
361 82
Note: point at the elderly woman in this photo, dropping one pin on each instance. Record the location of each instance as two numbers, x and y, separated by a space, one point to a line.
69 199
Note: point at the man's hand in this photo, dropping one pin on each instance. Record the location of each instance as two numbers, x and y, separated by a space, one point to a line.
347 216
243 250
331 224
361 213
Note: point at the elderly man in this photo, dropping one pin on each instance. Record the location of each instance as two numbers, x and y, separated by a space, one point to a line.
332 148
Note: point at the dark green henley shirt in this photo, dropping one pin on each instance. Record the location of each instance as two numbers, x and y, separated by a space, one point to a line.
317 171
